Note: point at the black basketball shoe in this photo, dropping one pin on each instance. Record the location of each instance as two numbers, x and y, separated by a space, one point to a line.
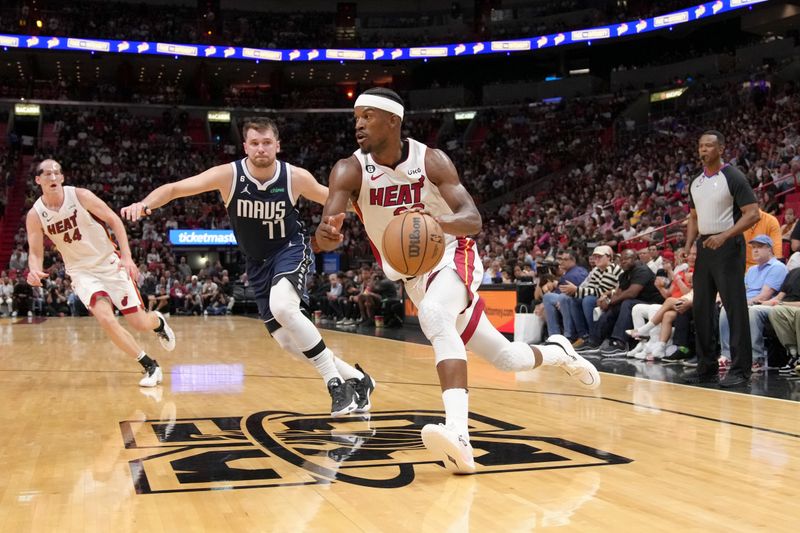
363 388
343 396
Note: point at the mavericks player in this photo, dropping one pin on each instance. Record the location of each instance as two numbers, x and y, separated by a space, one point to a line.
261 193
389 175
102 275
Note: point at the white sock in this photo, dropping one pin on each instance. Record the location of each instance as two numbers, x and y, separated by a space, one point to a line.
141 354
792 351
456 410
551 355
324 362
645 330
347 371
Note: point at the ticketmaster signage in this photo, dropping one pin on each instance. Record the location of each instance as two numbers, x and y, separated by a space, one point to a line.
202 237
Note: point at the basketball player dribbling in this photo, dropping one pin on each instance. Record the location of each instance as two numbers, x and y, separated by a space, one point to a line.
102 273
261 194
389 175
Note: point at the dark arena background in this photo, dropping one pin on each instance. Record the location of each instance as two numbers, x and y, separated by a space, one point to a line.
574 125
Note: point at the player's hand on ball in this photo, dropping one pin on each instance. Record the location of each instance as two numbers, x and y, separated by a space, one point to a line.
35 278
135 211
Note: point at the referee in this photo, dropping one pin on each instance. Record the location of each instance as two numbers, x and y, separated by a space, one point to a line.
723 205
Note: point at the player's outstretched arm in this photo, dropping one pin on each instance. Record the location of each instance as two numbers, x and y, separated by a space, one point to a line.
35 231
466 219
100 209
344 183
304 184
217 178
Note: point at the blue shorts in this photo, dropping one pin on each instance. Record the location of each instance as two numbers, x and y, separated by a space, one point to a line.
290 262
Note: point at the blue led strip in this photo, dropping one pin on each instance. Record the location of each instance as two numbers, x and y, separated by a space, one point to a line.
625 29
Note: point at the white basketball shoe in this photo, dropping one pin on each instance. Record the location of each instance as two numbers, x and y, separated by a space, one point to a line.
152 376
453 449
575 365
166 336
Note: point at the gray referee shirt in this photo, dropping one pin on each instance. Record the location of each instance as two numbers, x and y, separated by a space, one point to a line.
718 199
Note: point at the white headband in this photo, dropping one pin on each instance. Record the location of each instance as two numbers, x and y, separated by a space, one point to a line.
380 102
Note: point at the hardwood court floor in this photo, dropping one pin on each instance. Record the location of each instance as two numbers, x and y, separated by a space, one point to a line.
238 439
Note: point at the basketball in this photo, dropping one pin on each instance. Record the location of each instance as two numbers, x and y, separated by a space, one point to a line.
413 243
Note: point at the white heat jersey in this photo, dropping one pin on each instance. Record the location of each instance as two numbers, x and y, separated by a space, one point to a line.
386 192
81 239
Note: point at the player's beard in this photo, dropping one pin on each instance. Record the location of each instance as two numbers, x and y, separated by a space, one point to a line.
366 147
263 162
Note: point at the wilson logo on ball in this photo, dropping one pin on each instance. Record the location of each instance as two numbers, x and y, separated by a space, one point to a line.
413 243
413 238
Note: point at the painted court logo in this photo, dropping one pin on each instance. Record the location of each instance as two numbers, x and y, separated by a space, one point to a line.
273 449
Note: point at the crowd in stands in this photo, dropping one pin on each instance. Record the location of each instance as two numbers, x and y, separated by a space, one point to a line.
355 297
608 191
89 90
611 197
641 306
764 130
533 141
294 98
117 155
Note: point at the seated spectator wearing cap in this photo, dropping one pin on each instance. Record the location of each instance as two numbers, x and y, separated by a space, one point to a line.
762 281
601 281
767 225
556 303
636 286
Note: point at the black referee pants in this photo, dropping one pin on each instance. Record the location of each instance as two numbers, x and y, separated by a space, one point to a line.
721 270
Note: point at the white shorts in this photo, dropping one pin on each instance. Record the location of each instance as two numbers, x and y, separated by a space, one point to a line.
107 280
467 264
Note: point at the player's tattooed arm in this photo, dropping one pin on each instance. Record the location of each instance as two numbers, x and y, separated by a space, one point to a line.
344 185
466 219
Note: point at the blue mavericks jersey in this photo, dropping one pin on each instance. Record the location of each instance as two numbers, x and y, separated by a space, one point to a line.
263 215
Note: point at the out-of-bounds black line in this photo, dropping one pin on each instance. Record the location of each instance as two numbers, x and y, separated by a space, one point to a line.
473 387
